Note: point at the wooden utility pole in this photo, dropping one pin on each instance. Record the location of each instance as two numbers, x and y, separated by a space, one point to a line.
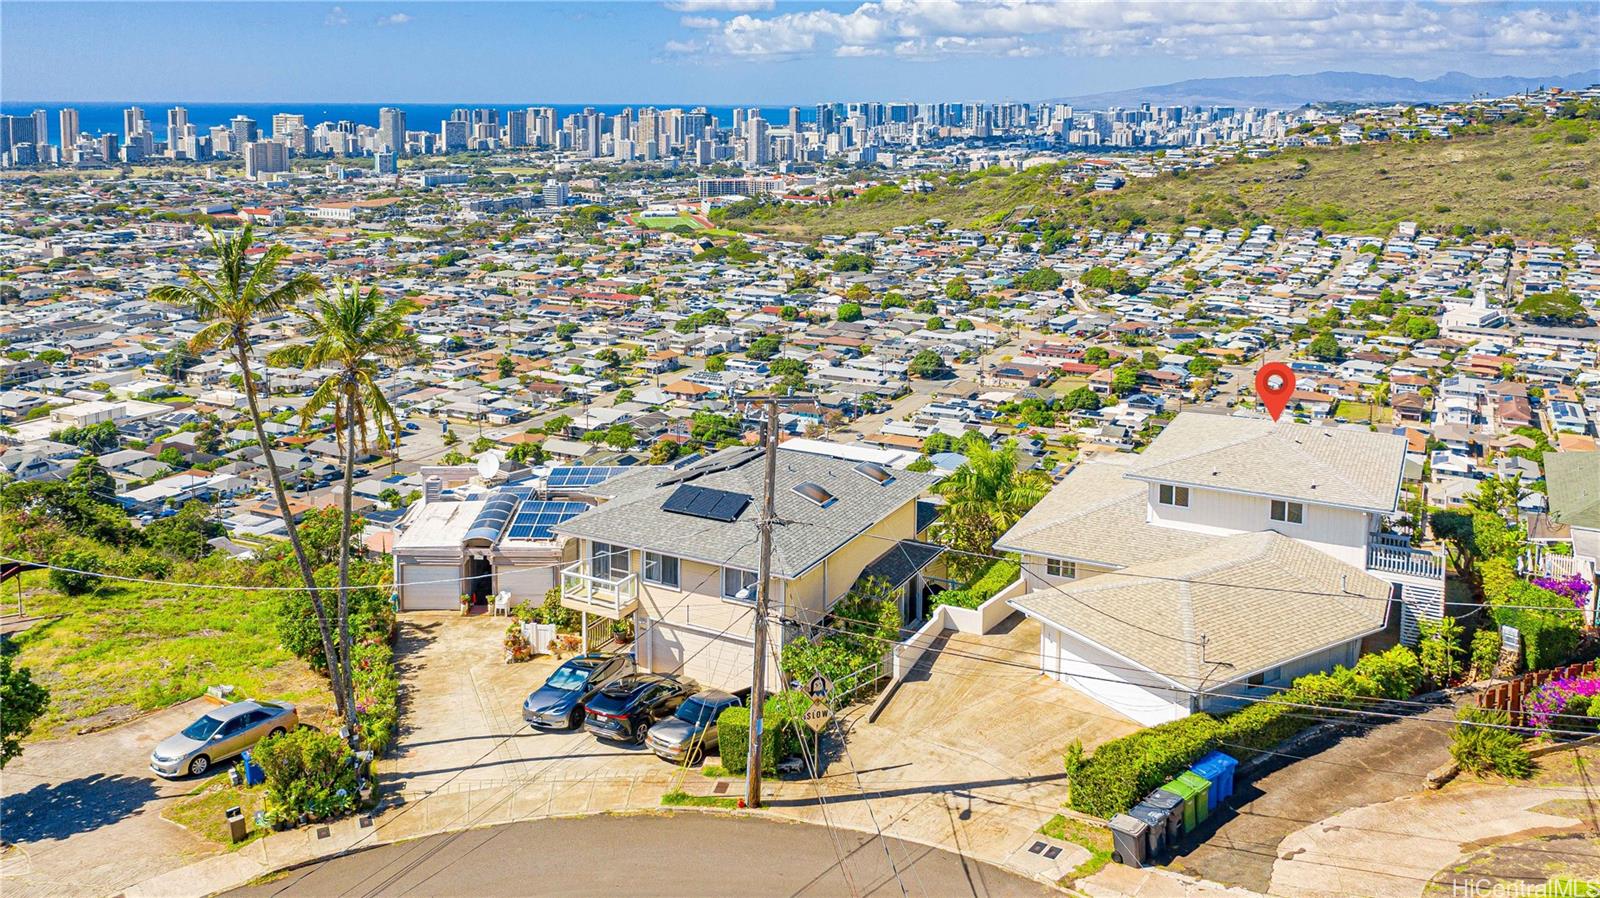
758 674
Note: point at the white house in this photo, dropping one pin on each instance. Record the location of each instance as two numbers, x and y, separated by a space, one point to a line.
1232 556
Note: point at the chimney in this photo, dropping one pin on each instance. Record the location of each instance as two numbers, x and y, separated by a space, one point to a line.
430 489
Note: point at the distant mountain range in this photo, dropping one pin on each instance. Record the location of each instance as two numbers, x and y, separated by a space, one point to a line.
1288 91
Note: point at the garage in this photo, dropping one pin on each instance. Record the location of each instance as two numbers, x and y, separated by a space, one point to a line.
705 656
527 583
429 587
1136 693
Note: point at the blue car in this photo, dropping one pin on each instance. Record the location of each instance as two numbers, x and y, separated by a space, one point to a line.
559 704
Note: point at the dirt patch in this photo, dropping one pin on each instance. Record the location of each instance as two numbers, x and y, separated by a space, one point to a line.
1523 862
110 717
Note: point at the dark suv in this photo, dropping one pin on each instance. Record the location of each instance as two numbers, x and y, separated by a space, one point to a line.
627 707
559 703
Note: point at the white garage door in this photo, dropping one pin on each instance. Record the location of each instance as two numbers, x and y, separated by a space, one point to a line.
430 587
1106 678
708 659
527 583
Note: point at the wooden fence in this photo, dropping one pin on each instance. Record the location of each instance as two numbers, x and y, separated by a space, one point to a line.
1510 695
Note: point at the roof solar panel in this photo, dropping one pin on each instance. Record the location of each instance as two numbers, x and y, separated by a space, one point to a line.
580 476
536 519
703 502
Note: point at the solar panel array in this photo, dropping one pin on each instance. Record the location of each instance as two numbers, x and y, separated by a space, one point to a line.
492 519
580 476
703 502
535 518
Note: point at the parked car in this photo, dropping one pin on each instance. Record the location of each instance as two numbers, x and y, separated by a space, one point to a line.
221 734
559 703
692 729
628 707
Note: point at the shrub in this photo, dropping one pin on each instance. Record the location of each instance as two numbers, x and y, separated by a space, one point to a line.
1549 623
1440 650
70 582
1563 704
309 773
1397 673
1488 749
998 576
377 694
1123 771
780 731
1485 652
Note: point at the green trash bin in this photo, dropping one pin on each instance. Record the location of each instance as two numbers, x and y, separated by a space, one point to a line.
1202 792
1187 790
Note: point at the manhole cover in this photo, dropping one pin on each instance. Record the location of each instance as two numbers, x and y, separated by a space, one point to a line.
1036 848
1053 852
720 788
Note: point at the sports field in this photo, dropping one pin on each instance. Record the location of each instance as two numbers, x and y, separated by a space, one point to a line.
668 222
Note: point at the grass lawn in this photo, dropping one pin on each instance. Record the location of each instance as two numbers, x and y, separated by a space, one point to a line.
1358 411
203 811
678 798
668 222
128 648
1097 839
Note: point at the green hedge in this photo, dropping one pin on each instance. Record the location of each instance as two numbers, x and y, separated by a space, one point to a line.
1549 637
1001 574
780 736
1121 772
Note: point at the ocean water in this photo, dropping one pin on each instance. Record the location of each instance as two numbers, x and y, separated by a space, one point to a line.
98 118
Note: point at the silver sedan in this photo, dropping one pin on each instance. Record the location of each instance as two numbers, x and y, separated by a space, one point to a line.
221 734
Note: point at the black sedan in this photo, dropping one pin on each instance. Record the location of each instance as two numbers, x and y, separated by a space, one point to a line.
627 707
559 703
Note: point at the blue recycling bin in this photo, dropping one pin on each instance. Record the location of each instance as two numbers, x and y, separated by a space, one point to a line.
253 774
1219 769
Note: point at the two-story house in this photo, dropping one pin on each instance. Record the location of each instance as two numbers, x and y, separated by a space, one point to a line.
1230 557
677 551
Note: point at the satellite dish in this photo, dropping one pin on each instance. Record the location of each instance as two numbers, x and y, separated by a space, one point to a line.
488 465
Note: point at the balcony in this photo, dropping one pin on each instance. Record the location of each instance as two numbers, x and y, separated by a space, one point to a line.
581 590
1387 554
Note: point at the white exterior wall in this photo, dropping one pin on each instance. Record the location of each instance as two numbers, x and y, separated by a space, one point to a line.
1112 680
1341 532
1274 681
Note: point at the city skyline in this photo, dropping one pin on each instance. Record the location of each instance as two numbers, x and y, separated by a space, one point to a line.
755 51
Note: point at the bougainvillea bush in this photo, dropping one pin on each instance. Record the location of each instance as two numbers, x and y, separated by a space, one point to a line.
1575 587
1563 704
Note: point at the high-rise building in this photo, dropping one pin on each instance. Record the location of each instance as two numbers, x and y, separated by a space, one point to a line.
69 135
392 130
132 122
453 135
794 120
517 128
263 157
244 132
41 128
757 146
384 162
555 194
177 120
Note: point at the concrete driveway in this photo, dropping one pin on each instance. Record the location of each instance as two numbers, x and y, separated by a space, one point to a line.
462 736
84 813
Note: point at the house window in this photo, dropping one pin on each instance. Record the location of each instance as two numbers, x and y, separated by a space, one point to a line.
1174 495
1055 567
738 585
661 570
609 562
1288 512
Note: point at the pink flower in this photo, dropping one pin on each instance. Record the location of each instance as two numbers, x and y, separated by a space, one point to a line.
1553 698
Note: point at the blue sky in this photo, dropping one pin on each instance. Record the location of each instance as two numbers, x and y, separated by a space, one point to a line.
749 51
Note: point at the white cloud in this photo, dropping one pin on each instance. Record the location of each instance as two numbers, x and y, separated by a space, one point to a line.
398 18
1281 32
336 16
700 22
719 5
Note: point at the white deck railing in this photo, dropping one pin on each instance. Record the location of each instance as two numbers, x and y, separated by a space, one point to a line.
1408 562
612 597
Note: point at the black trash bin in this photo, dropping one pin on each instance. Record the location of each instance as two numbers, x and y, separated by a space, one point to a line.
1172 803
1156 819
1130 840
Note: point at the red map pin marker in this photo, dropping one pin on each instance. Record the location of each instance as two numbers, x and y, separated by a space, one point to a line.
1276 398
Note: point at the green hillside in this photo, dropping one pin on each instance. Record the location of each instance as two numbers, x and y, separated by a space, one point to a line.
1535 180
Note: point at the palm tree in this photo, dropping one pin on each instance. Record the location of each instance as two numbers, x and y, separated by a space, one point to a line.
239 295
983 499
350 331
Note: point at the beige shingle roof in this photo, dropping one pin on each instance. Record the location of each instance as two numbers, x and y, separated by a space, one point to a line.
1329 466
1232 593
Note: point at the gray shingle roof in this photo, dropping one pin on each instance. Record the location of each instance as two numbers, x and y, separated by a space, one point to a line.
1231 592
1329 466
807 534
1573 479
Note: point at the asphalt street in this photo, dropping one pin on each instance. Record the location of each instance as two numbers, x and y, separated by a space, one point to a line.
662 855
